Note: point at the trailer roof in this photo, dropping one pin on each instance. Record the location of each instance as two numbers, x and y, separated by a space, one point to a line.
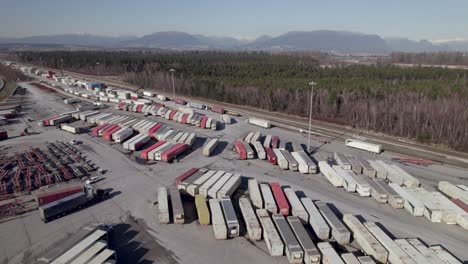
80 247
55 203
104 256
89 253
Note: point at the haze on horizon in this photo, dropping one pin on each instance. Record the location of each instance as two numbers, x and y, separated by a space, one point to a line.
418 19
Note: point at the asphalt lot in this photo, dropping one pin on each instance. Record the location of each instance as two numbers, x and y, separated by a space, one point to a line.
134 192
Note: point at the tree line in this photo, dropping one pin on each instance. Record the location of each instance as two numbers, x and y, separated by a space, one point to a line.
426 104
430 58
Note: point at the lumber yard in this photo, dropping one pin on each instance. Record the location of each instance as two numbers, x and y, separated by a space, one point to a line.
91 169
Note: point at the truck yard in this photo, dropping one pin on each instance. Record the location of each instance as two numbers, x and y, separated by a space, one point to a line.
236 147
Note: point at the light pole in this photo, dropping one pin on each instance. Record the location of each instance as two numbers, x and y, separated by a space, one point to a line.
98 70
173 87
312 85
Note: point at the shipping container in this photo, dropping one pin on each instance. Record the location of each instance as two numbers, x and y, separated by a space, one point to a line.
108 135
255 194
157 151
349 184
188 181
444 255
355 165
425 251
163 206
154 129
283 145
230 216
251 223
210 147
367 169
342 161
203 122
122 135
362 187
332 176
316 220
297 209
248 150
377 192
260 150
228 189
213 191
165 135
338 230
178 215
190 140
59 120
240 149
268 199
226 119
392 174
411 251
394 199
311 253
411 203
395 253
293 249
256 137
217 219
125 145
193 188
61 206
173 152
272 239
374 148
282 161
280 198
293 165
176 136
202 210
311 164
271 156
205 187
48 197
185 175
145 152
182 138
369 244
259 122
329 254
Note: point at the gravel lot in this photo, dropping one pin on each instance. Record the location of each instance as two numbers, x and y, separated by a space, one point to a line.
134 186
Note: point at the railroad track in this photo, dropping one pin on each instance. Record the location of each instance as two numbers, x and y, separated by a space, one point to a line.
334 132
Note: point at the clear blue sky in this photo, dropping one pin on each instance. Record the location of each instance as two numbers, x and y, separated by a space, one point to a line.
415 19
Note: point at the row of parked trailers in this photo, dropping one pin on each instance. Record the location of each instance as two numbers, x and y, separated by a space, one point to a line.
275 151
169 142
370 177
183 117
278 215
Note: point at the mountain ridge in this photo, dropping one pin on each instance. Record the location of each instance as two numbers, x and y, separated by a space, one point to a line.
323 40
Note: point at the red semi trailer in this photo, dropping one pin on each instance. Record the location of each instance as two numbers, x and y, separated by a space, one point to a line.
280 198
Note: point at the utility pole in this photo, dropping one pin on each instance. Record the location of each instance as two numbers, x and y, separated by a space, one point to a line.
98 70
61 60
312 85
173 87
